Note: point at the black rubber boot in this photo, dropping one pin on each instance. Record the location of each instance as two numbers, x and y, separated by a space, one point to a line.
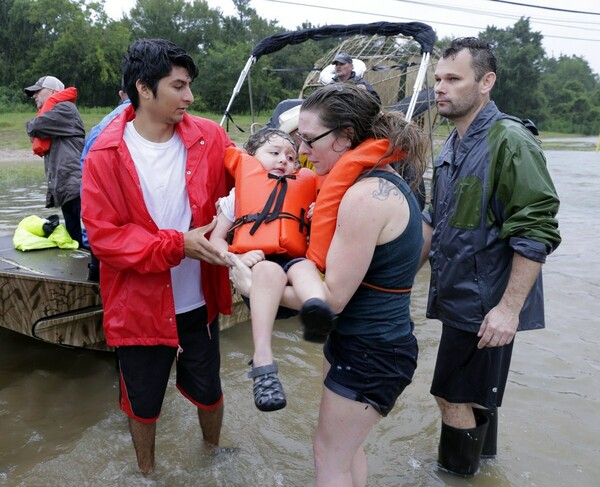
491 437
460 449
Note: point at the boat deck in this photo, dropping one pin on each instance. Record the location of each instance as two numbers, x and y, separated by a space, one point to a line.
52 263
44 294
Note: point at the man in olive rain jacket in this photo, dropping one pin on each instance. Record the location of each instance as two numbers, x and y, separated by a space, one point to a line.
489 227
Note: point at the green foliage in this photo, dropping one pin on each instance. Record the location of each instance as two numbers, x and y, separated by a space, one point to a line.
573 91
69 39
559 95
520 56
11 101
192 26
219 71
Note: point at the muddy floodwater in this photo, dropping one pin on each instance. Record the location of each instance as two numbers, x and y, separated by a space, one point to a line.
60 424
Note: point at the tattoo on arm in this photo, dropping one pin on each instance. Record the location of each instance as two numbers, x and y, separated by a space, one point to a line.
385 189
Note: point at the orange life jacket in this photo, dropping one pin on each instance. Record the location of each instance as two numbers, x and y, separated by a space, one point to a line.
343 175
270 211
40 145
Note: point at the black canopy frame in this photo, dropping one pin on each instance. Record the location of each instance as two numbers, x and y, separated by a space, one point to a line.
420 32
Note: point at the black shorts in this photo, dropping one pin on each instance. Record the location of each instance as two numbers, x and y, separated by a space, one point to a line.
145 370
465 374
374 374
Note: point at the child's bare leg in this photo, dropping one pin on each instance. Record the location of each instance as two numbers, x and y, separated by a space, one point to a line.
306 280
268 282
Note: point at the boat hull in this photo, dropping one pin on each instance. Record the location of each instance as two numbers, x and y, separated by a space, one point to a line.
44 294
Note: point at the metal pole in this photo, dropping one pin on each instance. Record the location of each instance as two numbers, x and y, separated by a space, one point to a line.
417 86
238 86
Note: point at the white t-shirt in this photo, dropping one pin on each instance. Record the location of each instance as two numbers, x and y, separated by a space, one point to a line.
161 170
227 204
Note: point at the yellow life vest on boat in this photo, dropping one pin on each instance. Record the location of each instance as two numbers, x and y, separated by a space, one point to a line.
270 211
32 233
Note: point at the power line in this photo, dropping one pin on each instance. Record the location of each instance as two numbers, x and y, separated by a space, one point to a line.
455 8
546 8
428 21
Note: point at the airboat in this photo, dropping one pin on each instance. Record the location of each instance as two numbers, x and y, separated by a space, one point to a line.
397 59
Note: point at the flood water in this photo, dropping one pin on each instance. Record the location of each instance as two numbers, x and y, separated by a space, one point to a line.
60 425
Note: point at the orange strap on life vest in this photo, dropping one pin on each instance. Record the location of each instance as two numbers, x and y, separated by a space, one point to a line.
386 289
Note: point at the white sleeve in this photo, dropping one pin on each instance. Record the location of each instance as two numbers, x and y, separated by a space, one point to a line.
227 205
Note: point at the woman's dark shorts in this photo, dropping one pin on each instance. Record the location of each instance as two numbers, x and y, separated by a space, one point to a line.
371 373
465 374
145 370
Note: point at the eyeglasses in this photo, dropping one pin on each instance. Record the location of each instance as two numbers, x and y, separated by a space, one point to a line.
310 141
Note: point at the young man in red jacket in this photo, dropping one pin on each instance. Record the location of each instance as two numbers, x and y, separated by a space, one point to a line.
150 185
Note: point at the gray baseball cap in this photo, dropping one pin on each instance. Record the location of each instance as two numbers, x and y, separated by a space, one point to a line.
45 82
342 58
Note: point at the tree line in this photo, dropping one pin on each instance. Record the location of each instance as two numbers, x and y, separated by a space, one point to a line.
76 41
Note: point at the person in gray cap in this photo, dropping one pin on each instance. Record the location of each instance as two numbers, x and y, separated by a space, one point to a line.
58 135
43 88
344 72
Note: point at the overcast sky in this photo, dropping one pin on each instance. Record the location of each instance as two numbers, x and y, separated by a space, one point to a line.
564 30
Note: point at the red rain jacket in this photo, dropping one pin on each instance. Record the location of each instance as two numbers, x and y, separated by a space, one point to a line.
136 256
